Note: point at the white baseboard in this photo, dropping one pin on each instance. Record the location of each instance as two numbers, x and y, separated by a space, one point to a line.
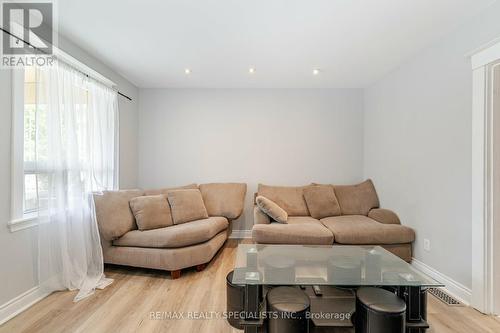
240 234
17 305
452 287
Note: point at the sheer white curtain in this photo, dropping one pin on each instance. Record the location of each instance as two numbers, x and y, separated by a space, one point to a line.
76 141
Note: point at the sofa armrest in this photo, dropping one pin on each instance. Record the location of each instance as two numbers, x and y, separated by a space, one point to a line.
384 216
259 217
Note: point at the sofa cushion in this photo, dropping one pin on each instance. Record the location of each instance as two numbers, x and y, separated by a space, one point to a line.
357 199
169 259
186 205
113 213
224 199
272 209
290 198
362 230
321 201
180 235
151 212
166 190
304 232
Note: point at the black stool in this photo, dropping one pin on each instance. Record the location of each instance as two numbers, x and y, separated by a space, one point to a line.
379 311
235 300
289 307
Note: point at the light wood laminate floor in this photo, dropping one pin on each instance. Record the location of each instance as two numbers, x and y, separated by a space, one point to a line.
127 304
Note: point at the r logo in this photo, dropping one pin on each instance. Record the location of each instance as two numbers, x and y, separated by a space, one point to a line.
30 21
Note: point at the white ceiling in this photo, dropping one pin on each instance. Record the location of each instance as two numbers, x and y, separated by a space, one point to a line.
353 42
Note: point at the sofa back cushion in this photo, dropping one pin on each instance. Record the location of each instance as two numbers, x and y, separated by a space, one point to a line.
186 205
290 198
321 201
224 199
166 190
113 213
151 212
357 199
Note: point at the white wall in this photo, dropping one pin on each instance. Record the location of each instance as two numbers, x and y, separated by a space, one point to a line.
18 250
418 145
271 136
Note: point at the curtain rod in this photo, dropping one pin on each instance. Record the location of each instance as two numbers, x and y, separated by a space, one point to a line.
36 48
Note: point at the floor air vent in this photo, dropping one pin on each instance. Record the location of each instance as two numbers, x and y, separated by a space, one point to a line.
444 297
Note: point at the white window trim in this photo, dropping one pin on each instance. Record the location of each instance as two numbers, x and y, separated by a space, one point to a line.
483 189
20 220
27 221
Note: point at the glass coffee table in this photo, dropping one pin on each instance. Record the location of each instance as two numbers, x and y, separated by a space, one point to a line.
342 266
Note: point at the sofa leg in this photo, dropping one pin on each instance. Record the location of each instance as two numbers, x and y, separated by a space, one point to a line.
175 274
201 267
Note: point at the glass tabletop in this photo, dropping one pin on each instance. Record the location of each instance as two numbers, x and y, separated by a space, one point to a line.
337 265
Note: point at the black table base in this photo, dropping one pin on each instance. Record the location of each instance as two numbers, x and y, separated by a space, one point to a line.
415 298
416 308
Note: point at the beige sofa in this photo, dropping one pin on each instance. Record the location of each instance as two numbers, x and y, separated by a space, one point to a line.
359 221
170 248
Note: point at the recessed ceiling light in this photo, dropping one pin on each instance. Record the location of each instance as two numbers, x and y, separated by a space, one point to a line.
251 70
316 71
187 71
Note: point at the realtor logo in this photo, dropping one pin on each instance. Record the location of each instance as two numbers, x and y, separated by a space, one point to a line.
28 33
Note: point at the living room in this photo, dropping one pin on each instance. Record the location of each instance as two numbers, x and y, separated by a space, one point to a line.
274 166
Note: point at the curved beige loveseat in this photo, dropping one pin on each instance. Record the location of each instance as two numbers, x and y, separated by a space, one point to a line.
360 220
170 248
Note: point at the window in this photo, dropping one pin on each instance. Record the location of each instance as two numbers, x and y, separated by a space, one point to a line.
35 185
25 188
30 181
32 128
36 178
84 125
31 174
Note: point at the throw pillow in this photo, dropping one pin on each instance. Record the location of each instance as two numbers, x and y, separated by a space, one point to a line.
321 201
272 209
151 212
187 206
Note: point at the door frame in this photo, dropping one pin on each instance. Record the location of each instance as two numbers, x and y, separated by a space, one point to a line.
485 217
